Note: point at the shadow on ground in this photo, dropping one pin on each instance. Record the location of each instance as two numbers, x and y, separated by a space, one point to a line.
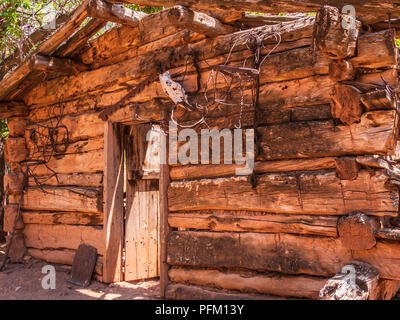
24 282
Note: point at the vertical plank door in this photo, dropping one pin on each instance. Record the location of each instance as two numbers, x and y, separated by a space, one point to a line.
142 217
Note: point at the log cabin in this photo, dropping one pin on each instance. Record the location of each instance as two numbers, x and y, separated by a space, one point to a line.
90 122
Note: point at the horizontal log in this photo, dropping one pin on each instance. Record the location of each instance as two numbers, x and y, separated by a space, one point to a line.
319 193
57 66
114 12
36 146
73 218
198 22
375 50
65 256
211 171
63 199
89 162
372 135
291 254
284 253
60 236
253 222
377 99
177 291
72 179
12 109
80 127
146 63
368 13
40 113
251 282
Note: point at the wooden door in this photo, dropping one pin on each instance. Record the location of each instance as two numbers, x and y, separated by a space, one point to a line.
142 212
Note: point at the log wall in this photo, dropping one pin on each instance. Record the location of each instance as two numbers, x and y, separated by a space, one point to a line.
279 238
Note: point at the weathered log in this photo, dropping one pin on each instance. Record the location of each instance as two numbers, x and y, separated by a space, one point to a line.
367 13
286 253
40 113
356 281
292 60
12 218
17 247
72 179
347 168
251 282
64 256
375 50
320 193
14 183
211 171
80 127
377 99
89 145
16 70
379 162
56 66
198 22
73 218
63 199
252 20
255 222
80 38
12 109
388 234
331 38
89 162
177 291
114 12
340 70
15 150
61 236
346 104
372 135
357 231
387 289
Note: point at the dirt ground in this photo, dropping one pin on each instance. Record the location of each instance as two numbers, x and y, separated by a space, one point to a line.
23 282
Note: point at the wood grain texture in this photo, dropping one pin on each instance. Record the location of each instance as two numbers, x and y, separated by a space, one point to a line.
255 222
251 282
319 193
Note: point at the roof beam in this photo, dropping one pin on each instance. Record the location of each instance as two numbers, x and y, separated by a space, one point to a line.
80 38
368 11
114 13
50 65
198 22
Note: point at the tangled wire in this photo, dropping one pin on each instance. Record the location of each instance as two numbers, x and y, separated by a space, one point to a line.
47 141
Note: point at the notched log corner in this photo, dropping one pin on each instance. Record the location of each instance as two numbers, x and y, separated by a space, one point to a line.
331 38
346 103
355 281
347 168
357 231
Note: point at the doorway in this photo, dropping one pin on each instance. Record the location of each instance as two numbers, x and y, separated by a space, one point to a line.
141 253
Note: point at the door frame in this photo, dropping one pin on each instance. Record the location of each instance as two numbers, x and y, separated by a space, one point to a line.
113 227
